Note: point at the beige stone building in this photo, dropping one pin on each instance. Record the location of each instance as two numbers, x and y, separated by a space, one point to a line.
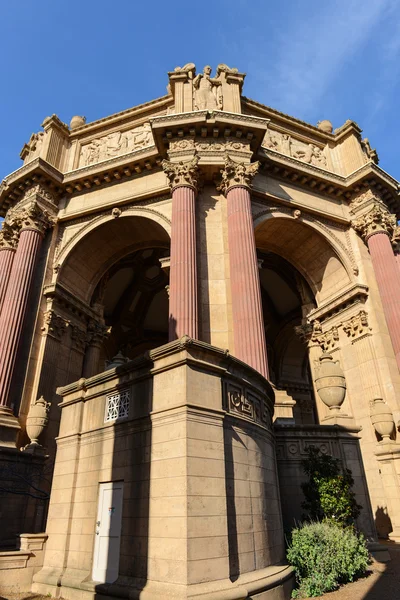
187 290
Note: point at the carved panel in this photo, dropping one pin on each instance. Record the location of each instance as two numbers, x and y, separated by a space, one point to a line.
116 143
243 402
285 144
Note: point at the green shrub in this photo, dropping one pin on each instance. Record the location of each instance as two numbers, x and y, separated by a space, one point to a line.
327 492
324 556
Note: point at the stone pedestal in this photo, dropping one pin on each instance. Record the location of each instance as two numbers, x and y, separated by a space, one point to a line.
195 455
388 455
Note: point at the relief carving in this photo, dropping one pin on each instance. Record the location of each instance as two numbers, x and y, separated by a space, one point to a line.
209 145
116 143
285 144
357 325
237 174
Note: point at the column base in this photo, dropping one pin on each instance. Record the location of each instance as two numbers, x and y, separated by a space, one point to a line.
271 583
9 428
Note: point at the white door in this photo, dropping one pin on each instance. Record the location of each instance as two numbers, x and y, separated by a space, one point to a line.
108 532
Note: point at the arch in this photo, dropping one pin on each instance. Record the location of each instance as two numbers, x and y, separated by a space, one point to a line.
315 251
104 241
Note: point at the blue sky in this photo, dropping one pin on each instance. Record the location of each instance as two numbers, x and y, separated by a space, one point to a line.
336 60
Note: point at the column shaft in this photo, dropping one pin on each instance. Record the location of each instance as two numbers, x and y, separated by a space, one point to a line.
183 318
248 323
6 261
388 278
91 361
15 306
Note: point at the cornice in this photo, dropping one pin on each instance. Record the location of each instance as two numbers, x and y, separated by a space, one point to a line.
356 293
119 116
298 123
328 183
69 301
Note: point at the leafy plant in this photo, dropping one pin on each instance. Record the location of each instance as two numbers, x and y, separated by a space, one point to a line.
324 556
328 493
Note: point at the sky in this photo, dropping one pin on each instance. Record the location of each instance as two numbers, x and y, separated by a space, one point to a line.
336 60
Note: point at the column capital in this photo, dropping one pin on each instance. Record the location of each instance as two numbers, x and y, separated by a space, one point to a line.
377 220
30 216
8 237
186 174
236 174
97 333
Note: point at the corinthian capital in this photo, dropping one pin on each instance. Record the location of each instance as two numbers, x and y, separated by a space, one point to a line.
8 236
236 174
376 220
31 216
182 173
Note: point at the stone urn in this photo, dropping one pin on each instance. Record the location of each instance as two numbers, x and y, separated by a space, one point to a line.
330 382
37 419
77 121
381 418
117 361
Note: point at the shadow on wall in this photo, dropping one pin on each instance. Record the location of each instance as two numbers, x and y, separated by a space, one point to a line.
383 522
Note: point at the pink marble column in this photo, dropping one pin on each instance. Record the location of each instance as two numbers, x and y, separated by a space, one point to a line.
387 275
6 261
33 222
183 317
183 270
15 306
248 323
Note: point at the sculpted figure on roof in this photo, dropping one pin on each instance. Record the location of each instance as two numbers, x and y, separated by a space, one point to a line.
207 91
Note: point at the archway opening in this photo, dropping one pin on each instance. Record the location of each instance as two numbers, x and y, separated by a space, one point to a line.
299 270
134 296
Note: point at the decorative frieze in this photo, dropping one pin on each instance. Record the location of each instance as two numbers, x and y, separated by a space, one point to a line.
376 220
116 143
236 174
182 173
245 403
285 144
